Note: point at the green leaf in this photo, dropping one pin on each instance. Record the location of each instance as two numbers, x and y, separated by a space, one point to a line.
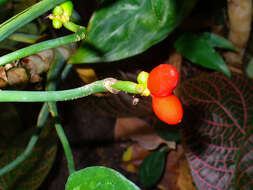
198 51
26 16
124 28
217 41
152 168
32 172
99 178
249 69
168 133
2 2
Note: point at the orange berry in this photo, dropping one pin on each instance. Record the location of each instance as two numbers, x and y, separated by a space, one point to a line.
163 80
168 109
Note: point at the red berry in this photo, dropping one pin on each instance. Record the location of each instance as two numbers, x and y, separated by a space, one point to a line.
163 80
168 109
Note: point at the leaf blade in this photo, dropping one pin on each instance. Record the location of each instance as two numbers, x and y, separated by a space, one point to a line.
217 41
98 177
126 28
198 51
152 168
220 115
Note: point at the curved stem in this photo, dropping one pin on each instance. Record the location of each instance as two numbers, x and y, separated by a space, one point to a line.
48 96
71 26
63 95
79 35
51 85
26 16
63 138
43 115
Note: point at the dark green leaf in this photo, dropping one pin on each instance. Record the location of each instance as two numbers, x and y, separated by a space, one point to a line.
32 172
217 41
167 132
3 1
99 178
152 168
249 69
198 51
248 57
124 28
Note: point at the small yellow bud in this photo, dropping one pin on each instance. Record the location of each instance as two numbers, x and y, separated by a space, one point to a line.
146 92
143 78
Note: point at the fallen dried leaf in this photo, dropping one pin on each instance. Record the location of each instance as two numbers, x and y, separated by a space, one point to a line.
140 131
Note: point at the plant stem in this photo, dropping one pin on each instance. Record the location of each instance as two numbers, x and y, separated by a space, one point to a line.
51 85
62 137
25 38
126 86
48 96
63 95
42 118
79 35
26 16
71 26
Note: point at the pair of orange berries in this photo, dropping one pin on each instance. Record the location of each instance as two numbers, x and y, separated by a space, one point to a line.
162 80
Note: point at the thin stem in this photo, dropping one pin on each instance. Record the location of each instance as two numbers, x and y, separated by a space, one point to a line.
51 85
42 118
25 38
126 86
63 138
26 16
79 35
31 144
71 26
64 95
48 96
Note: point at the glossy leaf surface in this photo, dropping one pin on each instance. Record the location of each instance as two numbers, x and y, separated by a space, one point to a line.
200 52
220 115
124 28
217 41
167 132
99 178
152 168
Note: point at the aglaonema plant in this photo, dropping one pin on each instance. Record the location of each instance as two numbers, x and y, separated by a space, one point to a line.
61 18
137 26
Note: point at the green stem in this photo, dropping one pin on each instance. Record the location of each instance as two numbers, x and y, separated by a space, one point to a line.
48 96
126 86
25 38
51 85
26 16
62 137
71 26
64 95
42 118
32 142
79 35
